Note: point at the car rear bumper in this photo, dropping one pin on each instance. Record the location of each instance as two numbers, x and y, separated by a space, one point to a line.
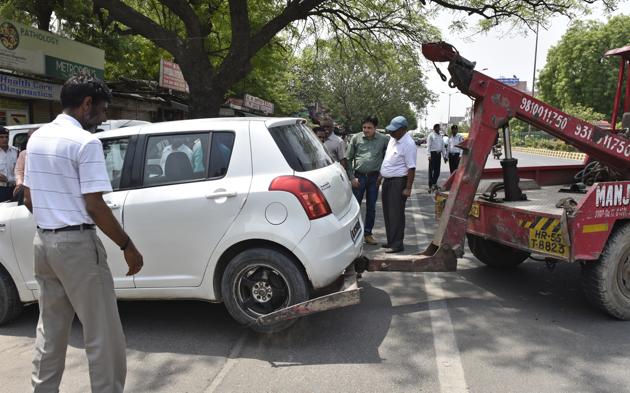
328 248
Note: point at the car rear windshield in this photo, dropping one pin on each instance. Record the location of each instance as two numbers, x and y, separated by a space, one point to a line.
300 147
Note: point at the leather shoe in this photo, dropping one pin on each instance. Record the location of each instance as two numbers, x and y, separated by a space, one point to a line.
384 245
393 250
369 239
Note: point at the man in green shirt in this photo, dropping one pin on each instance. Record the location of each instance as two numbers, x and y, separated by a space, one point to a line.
364 158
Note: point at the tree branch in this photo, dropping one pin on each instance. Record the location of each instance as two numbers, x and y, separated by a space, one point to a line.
142 25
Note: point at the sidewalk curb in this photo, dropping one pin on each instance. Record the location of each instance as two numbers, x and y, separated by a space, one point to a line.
572 155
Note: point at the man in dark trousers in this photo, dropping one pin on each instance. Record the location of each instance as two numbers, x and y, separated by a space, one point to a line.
454 152
64 181
397 171
364 156
435 151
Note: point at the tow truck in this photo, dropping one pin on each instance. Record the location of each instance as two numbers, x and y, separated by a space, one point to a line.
567 213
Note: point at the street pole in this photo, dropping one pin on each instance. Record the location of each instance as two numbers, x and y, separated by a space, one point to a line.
448 118
534 73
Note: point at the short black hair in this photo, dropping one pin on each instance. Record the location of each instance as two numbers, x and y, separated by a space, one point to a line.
436 125
316 129
4 130
370 119
454 127
83 85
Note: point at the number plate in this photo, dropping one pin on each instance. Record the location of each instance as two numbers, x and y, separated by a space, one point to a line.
355 231
545 235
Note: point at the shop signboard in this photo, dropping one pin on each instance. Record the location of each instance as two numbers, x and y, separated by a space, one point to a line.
171 76
28 88
258 104
40 52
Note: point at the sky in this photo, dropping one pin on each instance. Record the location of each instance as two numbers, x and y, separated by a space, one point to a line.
502 53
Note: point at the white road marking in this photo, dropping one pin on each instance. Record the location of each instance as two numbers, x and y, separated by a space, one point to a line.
229 363
449 364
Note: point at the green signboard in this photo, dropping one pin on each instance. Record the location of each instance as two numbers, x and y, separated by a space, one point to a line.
63 69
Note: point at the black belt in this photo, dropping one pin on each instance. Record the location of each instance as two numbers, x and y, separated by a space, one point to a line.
79 227
373 173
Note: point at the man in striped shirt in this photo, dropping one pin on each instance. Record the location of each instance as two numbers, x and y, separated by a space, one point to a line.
64 181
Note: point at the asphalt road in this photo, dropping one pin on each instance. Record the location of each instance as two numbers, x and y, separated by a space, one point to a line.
476 330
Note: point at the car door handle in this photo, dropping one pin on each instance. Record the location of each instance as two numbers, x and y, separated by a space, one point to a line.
221 194
113 206
2 227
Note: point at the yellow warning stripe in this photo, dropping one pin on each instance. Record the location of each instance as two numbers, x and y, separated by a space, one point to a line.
540 222
592 228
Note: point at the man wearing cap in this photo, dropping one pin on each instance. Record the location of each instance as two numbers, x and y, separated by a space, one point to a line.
397 171
364 156
8 158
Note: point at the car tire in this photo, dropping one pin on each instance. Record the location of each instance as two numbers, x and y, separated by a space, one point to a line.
494 254
606 282
10 305
259 281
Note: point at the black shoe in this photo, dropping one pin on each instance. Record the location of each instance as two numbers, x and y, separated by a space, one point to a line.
384 245
394 250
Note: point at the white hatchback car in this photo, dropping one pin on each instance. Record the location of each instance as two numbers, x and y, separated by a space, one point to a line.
248 211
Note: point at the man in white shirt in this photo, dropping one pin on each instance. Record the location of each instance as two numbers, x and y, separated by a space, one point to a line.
435 152
64 182
397 173
8 158
454 152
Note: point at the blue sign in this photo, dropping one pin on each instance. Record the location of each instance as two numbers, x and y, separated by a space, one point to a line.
509 81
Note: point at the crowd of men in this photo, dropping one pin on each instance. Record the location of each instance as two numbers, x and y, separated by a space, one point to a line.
373 159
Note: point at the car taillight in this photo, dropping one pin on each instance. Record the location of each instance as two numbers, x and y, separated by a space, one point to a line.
310 196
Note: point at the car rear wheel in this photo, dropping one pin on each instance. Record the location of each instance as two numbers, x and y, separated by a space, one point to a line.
495 254
10 305
606 282
260 281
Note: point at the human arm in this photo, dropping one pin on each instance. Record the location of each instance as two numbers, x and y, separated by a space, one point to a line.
104 219
27 199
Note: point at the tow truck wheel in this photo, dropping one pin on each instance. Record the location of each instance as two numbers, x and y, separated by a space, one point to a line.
495 254
10 306
260 281
606 283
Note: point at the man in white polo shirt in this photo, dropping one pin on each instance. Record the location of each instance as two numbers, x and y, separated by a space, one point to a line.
397 171
63 185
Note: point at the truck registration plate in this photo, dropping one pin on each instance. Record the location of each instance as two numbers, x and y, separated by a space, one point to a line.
545 235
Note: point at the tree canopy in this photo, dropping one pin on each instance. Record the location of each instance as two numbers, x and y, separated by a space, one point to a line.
218 43
385 83
576 77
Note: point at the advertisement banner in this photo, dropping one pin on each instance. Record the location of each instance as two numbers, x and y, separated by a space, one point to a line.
258 104
27 88
171 76
40 52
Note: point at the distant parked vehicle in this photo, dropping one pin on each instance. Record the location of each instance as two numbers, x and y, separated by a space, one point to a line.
18 133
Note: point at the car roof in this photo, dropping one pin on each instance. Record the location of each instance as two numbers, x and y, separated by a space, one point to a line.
183 126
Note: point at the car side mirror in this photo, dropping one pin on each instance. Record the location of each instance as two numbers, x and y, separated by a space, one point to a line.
154 170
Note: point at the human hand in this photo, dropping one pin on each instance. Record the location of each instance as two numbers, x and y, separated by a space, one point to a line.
133 258
16 190
355 183
3 177
406 192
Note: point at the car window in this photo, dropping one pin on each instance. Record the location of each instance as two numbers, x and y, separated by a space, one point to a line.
300 147
115 150
175 158
220 153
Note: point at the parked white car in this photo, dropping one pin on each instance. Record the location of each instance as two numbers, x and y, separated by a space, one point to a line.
248 211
